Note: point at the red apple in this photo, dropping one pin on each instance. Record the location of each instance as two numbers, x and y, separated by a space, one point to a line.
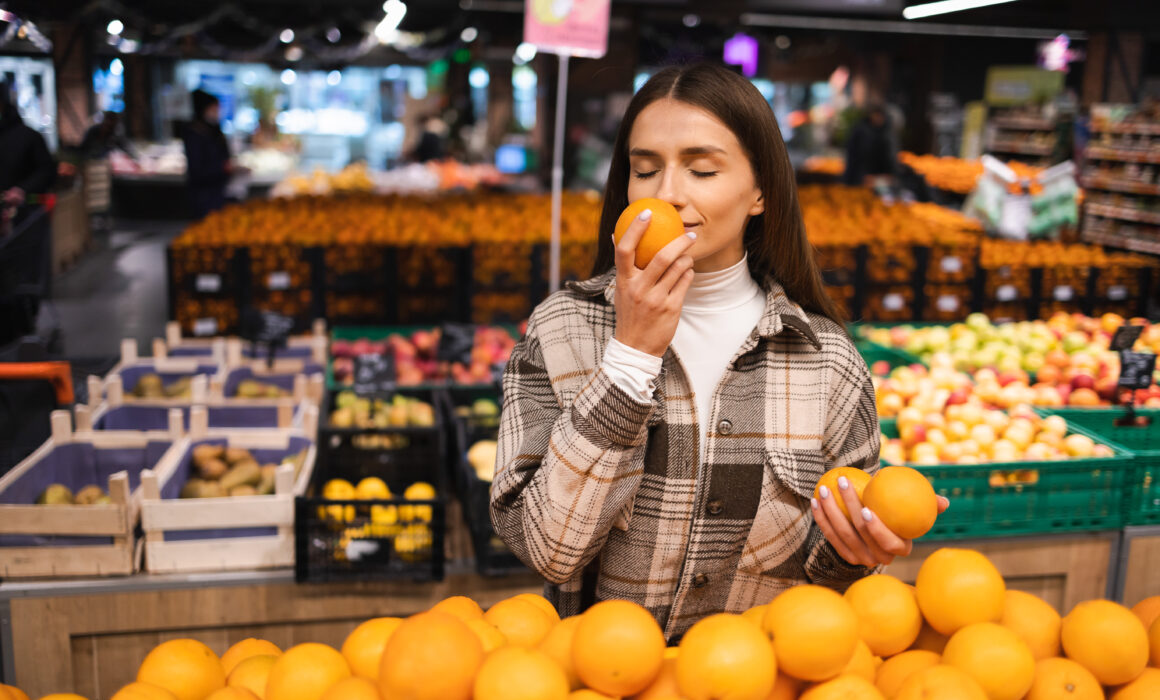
880 368
959 396
1083 381
1106 387
1012 376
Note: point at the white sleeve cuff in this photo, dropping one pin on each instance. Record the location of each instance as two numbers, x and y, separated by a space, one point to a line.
632 370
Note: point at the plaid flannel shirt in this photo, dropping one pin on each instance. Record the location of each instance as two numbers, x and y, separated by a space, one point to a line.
603 495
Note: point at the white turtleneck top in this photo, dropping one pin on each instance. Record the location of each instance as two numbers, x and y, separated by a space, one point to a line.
721 309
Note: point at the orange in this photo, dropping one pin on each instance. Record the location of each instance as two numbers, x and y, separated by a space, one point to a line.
941 682
1154 642
903 499
353 688
1036 623
490 637
784 688
814 632
541 604
252 674
617 648
959 587
664 686
1145 687
232 694
137 691
864 664
894 671
888 616
460 606
523 623
363 648
844 687
1148 610
930 640
755 614
245 649
858 479
1064 679
724 656
431 656
305 672
664 227
558 646
11 692
517 673
589 694
1107 639
185 667
63 696
995 657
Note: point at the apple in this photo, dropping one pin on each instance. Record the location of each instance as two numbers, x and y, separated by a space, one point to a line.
1079 446
1106 388
959 396
1083 381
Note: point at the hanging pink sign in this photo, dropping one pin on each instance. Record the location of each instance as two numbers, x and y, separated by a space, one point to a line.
572 27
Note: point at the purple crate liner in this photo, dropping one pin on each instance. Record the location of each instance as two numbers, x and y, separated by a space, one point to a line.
138 417
77 465
172 489
288 353
283 380
130 376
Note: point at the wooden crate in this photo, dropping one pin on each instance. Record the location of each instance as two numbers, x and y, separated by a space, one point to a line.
216 553
1139 564
299 350
126 373
114 522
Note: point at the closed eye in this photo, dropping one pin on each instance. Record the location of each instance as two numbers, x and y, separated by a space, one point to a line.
703 173
644 175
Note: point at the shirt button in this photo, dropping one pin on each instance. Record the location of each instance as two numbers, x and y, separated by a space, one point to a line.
700 580
715 507
725 427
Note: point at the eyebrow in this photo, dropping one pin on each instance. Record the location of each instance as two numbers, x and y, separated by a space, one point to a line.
690 151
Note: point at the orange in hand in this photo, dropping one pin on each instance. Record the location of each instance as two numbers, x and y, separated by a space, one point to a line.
664 227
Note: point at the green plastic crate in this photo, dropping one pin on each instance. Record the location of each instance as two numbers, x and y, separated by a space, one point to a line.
874 353
1141 492
1077 495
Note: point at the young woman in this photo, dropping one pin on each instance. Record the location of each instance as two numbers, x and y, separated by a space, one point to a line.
663 429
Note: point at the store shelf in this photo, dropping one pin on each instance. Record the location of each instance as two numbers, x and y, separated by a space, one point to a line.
1122 156
1123 213
1030 149
1114 185
1117 240
1023 124
1143 129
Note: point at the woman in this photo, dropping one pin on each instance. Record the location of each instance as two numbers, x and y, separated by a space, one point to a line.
207 156
663 429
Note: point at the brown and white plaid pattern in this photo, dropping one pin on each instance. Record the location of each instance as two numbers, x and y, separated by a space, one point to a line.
603 495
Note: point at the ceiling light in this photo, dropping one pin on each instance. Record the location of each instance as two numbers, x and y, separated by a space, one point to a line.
942 7
286 36
690 20
525 52
294 53
115 27
333 35
288 77
469 34
782 42
333 78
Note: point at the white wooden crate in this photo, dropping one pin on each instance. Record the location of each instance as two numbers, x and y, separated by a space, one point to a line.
225 553
116 520
231 351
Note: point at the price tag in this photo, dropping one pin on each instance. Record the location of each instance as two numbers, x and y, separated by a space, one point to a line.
947 303
893 302
456 341
209 284
1125 337
265 328
1117 292
277 281
205 326
951 264
1007 292
374 375
1136 369
1064 292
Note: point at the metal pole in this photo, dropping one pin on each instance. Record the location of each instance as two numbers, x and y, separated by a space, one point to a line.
558 174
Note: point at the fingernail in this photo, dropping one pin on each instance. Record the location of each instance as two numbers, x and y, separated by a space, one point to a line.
692 236
645 215
824 492
814 503
867 515
843 483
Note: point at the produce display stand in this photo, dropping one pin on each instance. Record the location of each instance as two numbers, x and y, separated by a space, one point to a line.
1139 562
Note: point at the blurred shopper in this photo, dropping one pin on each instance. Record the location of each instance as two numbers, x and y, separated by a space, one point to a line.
27 168
101 139
207 156
870 151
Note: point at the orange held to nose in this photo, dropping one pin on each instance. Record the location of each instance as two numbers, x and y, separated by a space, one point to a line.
664 227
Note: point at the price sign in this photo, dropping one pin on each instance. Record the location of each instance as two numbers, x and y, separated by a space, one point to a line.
1007 292
266 328
277 281
1125 337
374 375
209 284
893 302
1117 292
947 303
205 326
456 341
1064 293
1136 369
952 264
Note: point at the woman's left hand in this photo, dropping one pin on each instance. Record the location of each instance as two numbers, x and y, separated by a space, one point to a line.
866 541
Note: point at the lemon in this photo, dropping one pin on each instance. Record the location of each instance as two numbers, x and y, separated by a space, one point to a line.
372 488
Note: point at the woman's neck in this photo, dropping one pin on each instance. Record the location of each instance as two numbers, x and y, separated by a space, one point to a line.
722 289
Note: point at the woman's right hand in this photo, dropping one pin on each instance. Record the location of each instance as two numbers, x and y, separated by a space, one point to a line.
649 301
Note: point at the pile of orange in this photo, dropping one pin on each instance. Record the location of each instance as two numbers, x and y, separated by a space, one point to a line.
958 175
824 165
957 633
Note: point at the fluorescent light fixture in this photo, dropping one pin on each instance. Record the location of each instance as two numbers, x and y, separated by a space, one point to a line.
115 27
387 31
942 7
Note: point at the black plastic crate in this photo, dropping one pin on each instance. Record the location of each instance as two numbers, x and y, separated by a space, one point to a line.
344 540
463 430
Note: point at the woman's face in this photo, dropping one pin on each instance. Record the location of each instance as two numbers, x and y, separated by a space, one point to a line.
689 158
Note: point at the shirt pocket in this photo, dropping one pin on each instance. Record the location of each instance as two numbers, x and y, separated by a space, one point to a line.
782 521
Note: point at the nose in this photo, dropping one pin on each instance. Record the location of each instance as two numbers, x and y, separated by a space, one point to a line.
670 189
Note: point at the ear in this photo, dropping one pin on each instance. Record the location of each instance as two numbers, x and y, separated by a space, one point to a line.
758 206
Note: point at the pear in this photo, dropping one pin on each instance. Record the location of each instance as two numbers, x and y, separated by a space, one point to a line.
149 386
211 469
192 488
89 495
237 454
56 495
244 472
204 452
243 490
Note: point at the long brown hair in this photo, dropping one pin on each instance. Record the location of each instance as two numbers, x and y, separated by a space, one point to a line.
775 241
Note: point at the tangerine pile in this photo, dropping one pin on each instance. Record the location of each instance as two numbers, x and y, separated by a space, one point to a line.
957 634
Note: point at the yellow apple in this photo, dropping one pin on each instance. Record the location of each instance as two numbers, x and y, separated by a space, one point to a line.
984 435
1079 446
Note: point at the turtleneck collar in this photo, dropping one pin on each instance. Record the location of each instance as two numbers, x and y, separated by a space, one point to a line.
722 290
